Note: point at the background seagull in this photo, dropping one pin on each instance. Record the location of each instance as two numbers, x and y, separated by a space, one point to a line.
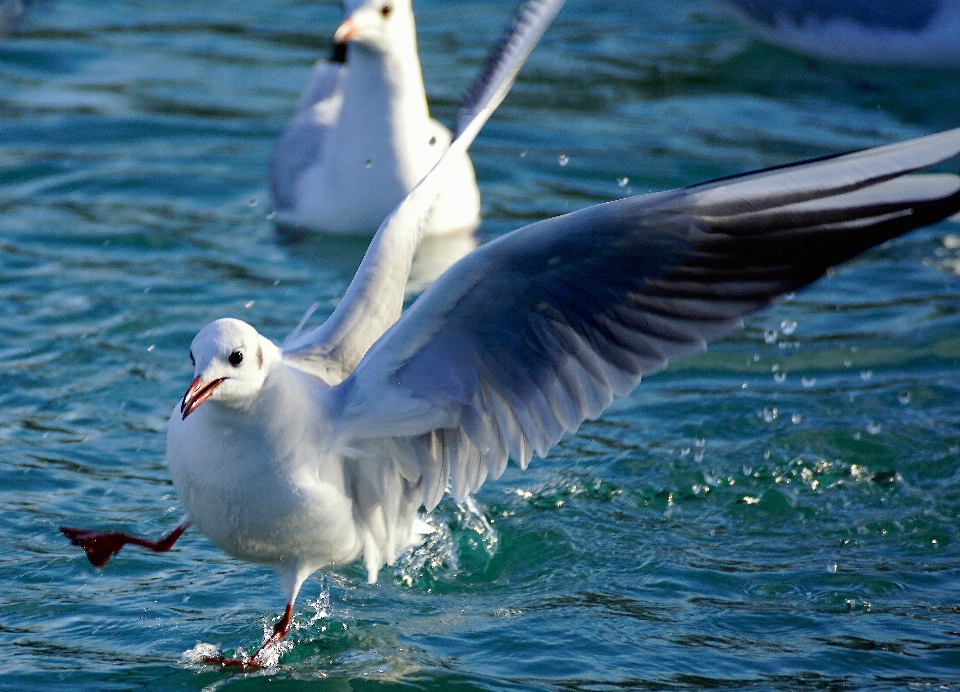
889 32
362 136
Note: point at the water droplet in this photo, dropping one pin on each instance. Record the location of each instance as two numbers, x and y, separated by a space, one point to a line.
832 568
808 381
788 327
769 415
700 442
873 428
563 159
622 182
770 335
774 367
847 363
780 377
951 241
904 398
756 357
249 304
866 375
523 154
252 202
368 164
698 457
151 347
796 418
271 216
744 385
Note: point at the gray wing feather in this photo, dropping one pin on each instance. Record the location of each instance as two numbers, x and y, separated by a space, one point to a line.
531 334
300 145
529 21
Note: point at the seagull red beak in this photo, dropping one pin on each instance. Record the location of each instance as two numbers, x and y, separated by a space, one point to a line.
198 392
346 31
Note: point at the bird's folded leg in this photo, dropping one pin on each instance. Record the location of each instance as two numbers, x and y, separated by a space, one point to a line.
100 546
279 632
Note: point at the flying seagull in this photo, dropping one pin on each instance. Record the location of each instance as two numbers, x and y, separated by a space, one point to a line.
319 452
374 299
883 32
362 136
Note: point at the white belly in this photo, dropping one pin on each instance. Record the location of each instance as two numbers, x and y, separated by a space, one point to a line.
259 498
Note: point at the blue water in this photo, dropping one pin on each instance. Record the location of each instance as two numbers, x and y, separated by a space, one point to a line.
780 513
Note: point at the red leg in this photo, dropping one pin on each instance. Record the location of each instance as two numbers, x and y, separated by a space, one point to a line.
100 546
279 632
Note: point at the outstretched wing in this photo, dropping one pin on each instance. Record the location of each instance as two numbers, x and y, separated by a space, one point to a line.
531 334
518 40
374 299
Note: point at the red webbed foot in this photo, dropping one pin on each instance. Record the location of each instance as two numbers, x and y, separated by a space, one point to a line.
100 546
253 663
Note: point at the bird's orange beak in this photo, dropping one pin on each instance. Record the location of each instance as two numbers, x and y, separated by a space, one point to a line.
346 31
198 392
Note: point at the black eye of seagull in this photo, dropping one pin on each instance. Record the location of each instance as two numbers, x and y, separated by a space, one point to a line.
386 9
236 358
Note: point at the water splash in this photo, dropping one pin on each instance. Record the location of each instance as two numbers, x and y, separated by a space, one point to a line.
462 543
321 606
201 651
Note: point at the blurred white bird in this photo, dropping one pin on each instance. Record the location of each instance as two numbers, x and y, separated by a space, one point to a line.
362 136
883 32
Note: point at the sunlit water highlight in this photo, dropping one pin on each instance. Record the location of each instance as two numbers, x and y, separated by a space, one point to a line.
778 513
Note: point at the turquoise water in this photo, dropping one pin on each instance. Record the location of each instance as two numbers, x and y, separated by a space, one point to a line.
776 514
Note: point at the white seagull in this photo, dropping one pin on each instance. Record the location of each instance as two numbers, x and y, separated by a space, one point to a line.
881 32
362 136
319 452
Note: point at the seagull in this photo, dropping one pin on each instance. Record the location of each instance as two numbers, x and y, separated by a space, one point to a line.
327 354
320 451
362 136
880 32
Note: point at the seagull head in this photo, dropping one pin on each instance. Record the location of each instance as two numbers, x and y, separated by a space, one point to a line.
231 360
376 24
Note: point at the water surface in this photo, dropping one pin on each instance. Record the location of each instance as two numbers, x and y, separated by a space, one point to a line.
778 513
